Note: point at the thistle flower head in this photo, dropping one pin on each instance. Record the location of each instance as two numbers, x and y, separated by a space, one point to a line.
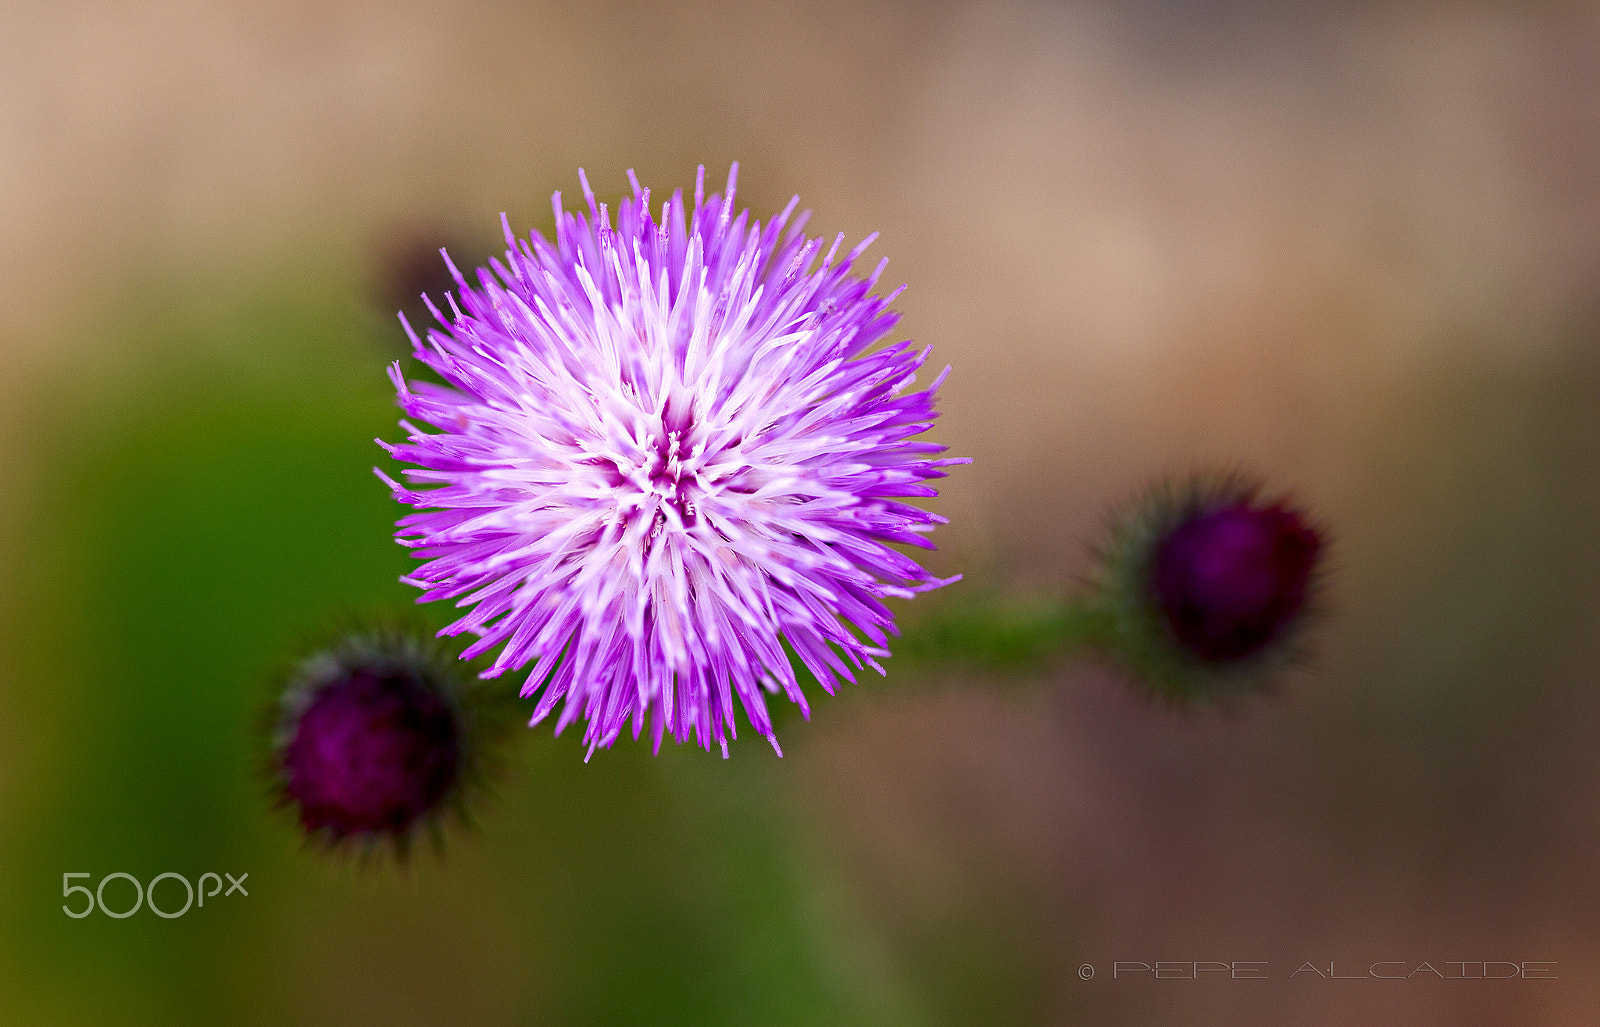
1206 587
372 739
664 459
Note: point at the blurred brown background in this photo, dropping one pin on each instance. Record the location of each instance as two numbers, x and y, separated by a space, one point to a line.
1353 247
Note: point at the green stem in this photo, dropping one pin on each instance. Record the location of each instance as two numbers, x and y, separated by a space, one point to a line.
1001 634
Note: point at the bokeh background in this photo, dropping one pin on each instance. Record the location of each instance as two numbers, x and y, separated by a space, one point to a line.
1354 247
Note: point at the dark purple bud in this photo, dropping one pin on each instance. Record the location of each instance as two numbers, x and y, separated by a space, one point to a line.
1229 581
377 737
1204 591
406 265
375 751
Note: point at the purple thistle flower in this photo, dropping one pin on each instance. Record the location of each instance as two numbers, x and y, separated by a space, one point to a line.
663 455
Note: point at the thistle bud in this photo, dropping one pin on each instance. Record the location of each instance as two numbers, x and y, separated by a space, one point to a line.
374 739
1205 588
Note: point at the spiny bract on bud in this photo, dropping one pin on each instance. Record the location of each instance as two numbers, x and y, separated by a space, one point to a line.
373 739
664 458
1205 588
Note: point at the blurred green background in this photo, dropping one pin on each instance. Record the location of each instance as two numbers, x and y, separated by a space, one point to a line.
1355 248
